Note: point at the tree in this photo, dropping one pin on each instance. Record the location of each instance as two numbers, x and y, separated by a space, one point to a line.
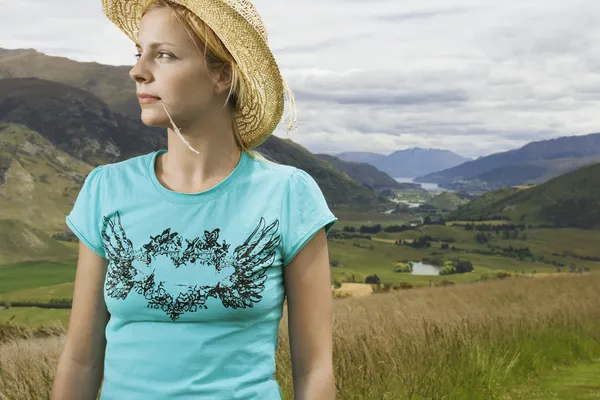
481 237
463 266
373 279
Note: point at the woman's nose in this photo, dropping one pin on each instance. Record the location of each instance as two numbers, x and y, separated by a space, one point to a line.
139 73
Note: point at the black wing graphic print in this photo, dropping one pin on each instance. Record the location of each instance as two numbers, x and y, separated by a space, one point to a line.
250 261
119 250
240 289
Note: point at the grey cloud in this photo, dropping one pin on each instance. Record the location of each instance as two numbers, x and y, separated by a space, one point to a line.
395 17
472 76
311 47
382 98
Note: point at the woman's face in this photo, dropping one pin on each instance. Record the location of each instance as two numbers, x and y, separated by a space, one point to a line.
171 67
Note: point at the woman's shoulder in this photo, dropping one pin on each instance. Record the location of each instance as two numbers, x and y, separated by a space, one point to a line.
275 170
287 176
135 164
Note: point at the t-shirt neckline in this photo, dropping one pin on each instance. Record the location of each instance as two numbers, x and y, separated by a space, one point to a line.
198 197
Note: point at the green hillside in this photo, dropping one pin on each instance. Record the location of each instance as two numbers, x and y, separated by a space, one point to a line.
483 204
447 201
21 242
571 200
363 173
38 182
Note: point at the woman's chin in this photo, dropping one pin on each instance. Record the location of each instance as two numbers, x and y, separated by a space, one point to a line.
154 118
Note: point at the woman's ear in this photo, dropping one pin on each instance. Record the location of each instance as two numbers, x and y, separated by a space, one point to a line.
224 79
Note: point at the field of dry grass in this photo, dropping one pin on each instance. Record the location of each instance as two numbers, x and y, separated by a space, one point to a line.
480 341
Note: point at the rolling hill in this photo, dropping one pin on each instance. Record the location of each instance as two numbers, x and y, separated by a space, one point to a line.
571 200
407 163
21 242
111 84
363 173
533 163
448 201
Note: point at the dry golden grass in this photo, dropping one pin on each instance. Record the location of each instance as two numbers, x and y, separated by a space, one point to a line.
353 289
461 342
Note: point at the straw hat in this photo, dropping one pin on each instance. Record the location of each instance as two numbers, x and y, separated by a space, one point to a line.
240 28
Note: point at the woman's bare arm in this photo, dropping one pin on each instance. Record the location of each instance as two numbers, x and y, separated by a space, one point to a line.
307 280
81 365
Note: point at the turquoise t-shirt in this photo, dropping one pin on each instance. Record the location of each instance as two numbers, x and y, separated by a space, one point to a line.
194 283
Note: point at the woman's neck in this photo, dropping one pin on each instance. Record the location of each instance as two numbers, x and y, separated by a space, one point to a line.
182 170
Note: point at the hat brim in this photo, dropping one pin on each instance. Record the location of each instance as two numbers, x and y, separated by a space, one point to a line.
262 108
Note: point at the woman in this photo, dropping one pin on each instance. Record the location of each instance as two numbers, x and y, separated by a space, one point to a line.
186 254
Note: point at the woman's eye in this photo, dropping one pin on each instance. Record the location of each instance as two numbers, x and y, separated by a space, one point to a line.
138 55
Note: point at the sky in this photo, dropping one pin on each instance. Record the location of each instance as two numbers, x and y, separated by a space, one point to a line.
471 76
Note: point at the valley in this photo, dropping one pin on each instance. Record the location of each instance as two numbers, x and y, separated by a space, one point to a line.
471 279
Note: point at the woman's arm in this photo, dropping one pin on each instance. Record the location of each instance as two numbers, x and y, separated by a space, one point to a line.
307 282
81 365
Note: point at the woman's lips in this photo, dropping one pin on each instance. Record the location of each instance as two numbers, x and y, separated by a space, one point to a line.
146 98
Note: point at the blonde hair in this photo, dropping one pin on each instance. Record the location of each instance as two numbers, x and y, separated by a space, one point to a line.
215 55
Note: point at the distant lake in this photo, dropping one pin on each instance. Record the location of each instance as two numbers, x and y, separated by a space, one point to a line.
424 269
430 187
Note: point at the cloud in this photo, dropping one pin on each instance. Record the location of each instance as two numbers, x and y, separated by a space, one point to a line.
420 15
471 76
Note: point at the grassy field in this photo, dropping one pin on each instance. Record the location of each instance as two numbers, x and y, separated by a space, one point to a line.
33 275
34 316
574 382
363 257
513 339
498 340
42 281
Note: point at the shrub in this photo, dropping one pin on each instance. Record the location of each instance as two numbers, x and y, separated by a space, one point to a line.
503 275
438 261
403 286
373 280
448 270
403 267
463 266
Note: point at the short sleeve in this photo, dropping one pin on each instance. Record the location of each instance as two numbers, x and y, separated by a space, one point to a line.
304 212
85 217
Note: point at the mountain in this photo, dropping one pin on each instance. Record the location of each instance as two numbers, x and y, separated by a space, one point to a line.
82 125
533 163
75 121
407 163
571 200
448 201
111 84
363 173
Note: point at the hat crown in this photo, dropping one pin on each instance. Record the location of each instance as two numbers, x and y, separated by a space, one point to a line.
246 9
